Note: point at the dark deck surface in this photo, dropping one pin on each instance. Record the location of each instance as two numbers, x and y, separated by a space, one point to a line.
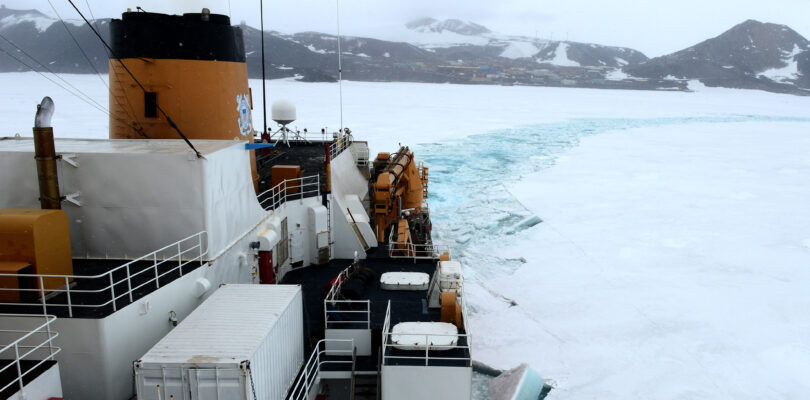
10 374
100 294
311 157
406 306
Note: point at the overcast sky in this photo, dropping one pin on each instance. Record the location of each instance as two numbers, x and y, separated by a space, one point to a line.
651 26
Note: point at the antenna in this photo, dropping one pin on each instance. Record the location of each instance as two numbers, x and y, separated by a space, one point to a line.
340 64
283 112
264 84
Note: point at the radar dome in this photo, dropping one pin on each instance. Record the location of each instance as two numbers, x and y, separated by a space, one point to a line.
283 111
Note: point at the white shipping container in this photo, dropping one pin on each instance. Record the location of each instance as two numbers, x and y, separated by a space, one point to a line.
242 338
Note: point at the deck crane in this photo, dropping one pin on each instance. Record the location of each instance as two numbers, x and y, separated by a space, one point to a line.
400 186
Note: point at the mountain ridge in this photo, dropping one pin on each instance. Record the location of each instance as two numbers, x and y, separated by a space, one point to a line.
751 55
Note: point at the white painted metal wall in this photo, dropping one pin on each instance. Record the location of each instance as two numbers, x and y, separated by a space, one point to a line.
139 195
347 180
47 385
420 382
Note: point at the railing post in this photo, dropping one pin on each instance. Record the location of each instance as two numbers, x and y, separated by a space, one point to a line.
50 340
19 369
427 348
179 259
42 295
199 249
129 284
157 274
70 303
112 291
306 370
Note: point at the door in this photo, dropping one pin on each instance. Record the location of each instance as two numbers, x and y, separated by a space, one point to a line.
217 384
283 246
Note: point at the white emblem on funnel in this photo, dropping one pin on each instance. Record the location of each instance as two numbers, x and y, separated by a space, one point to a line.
244 119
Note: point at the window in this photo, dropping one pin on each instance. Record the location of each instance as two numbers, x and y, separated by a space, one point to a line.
150 104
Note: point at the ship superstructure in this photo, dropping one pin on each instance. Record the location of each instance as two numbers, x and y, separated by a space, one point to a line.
149 226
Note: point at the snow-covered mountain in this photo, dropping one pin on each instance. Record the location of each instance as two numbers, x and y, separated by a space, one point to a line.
432 34
573 54
749 55
40 21
451 25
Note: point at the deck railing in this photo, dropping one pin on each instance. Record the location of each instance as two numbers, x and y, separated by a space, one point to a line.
318 358
30 345
345 314
424 251
360 153
432 355
290 189
120 282
340 144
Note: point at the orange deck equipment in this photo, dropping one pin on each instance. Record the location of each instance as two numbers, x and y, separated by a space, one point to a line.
39 238
281 173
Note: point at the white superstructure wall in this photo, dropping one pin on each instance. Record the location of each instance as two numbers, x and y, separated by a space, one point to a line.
349 207
127 198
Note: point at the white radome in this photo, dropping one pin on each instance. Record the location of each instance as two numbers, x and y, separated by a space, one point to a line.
283 111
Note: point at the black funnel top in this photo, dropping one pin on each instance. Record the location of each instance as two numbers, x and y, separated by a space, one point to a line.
186 37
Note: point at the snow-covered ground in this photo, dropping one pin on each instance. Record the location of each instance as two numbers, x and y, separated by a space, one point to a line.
671 260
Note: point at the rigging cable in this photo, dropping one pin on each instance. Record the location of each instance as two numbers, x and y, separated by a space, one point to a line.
78 92
131 75
91 10
340 64
86 57
51 71
52 81
130 110
264 84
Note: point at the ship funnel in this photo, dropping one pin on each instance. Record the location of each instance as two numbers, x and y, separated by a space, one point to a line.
190 67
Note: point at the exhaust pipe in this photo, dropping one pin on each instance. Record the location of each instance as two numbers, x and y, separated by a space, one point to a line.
45 154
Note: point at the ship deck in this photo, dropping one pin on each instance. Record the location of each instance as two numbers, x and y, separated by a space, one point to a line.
309 155
92 297
406 306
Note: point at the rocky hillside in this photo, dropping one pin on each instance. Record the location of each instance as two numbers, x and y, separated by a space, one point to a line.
752 55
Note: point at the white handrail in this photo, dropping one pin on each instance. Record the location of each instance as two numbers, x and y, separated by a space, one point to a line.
424 251
18 345
340 144
387 344
290 189
334 290
197 241
332 300
311 371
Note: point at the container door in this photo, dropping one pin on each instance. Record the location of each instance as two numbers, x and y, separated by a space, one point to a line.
213 384
160 383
